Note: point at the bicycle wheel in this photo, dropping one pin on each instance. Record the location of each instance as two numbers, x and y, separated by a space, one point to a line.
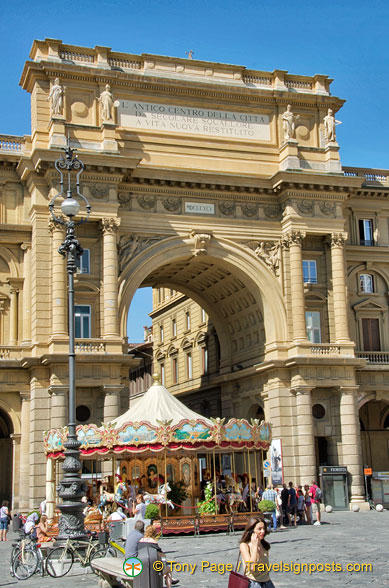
97 553
24 563
59 562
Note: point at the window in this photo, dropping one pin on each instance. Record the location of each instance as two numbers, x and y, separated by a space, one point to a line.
366 283
83 264
174 370
189 367
161 334
204 359
371 334
309 271
162 374
174 328
203 315
187 321
312 319
82 413
318 411
82 322
366 232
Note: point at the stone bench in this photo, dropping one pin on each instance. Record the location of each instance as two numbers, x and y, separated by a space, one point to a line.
109 570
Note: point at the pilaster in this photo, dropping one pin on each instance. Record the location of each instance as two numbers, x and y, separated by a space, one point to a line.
305 434
24 463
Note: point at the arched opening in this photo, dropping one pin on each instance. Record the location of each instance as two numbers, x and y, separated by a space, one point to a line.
374 416
6 456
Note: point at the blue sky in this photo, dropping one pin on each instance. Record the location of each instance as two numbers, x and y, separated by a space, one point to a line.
345 39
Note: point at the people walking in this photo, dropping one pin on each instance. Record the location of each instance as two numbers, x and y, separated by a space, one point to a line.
285 505
4 520
308 505
292 504
254 550
315 494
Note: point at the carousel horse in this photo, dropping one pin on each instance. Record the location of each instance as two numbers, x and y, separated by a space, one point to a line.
160 497
110 498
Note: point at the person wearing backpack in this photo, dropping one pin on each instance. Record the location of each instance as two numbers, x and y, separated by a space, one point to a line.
316 495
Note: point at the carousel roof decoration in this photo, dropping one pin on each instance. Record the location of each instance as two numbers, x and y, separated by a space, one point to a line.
160 421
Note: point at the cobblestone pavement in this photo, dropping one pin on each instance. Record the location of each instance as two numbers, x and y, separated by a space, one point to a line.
343 538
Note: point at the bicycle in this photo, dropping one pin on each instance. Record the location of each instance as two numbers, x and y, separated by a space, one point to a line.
109 548
60 559
26 558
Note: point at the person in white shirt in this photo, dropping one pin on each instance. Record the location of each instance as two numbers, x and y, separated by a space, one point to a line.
118 515
140 509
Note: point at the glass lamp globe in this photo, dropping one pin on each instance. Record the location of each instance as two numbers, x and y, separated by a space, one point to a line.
70 207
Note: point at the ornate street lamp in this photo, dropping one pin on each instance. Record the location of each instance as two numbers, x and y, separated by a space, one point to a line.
71 488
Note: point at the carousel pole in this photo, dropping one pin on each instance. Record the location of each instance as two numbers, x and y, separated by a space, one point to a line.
256 469
251 498
214 477
166 511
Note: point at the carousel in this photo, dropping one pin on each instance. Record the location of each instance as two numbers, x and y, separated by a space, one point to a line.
194 468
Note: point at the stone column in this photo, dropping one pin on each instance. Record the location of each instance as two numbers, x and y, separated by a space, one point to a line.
15 463
339 287
111 402
110 278
59 283
351 442
59 406
26 336
24 464
305 435
111 411
293 240
13 311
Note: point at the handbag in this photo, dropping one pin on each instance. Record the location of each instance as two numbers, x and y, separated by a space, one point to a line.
236 580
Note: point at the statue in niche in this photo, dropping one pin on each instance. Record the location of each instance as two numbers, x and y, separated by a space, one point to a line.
330 126
106 103
289 123
56 96
270 254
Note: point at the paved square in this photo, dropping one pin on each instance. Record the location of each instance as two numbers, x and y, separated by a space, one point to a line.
344 538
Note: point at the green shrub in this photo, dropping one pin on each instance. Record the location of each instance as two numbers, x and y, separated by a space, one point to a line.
266 506
152 511
207 506
178 493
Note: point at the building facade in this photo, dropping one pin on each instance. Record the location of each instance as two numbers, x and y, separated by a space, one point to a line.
224 185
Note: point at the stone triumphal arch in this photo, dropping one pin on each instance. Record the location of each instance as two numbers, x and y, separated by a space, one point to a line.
223 185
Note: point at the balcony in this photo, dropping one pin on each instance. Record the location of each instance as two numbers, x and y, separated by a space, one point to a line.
374 357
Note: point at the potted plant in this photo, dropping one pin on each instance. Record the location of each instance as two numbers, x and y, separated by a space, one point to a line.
152 512
208 505
178 493
267 507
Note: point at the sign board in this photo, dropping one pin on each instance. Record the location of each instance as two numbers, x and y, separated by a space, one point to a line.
368 471
199 208
134 114
266 464
381 475
333 470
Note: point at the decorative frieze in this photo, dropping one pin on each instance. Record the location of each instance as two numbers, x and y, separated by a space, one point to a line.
305 207
146 202
227 208
130 246
327 208
172 204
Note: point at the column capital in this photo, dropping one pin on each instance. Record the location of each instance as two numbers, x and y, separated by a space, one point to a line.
15 284
25 246
53 226
348 389
337 239
301 390
293 237
109 225
16 437
108 389
25 395
55 390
